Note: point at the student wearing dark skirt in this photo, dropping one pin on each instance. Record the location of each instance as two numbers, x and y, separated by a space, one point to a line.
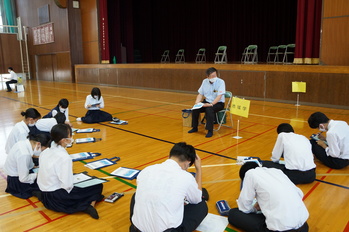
55 178
94 103
21 180
296 149
62 107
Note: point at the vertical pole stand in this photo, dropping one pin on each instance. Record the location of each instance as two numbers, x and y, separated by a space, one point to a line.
297 100
237 131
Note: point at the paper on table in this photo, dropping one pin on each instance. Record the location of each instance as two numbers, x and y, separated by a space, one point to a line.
213 223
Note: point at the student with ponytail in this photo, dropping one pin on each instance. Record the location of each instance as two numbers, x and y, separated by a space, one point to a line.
21 129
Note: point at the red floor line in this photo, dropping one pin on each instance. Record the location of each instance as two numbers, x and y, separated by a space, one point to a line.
35 227
346 229
315 186
246 140
41 212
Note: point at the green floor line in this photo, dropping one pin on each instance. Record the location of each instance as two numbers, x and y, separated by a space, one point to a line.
116 178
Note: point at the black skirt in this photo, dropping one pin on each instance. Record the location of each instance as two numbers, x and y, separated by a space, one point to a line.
76 201
19 189
95 116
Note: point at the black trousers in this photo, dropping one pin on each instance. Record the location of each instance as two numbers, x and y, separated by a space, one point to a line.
8 84
329 161
209 115
194 214
296 176
251 222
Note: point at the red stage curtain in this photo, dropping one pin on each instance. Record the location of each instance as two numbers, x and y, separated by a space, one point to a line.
103 27
308 28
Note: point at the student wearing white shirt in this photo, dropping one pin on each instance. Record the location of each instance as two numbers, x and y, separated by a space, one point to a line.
21 129
213 90
278 200
158 204
334 153
296 149
61 107
94 103
21 180
44 125
55 178
13 79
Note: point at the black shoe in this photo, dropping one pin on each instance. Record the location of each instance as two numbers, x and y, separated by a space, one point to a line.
194 129
116 119
101 197
209 134
9 91
37 194
92 212
205 195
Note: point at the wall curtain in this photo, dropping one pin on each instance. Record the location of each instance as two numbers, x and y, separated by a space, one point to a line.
308 28
8 15
103 33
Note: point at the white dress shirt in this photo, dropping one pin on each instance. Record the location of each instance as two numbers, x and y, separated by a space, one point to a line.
161 190
19 132
337 138
13 75
92 101
296 150
211 91
19 162
56 169
45 124
279 199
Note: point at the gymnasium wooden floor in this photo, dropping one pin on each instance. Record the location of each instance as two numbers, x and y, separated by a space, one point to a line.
155 124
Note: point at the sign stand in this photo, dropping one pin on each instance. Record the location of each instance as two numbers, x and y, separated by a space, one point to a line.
237 131
297 104
298 87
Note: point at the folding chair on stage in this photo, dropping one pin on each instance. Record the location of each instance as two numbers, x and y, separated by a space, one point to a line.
180 56
221 55
201 56
165 58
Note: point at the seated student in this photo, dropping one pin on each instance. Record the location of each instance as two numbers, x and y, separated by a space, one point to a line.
94 103
21 129
158 204
62 107
334 154
296 149
44 125
21 180
13 79
278 199
55 178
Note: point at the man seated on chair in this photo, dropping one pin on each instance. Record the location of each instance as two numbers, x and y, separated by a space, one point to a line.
213 89
13 79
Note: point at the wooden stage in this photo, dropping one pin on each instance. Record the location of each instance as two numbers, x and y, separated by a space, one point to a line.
325 85
154 125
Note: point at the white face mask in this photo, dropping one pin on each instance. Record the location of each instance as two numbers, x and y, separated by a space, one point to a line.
71 142
212 80
37 151
322 128
31 124
95 97
62 110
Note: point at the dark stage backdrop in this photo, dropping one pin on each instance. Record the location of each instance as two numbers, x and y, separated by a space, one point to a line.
158 25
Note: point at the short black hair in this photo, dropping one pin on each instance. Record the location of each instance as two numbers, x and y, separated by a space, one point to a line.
284 127
96 91
64 103
184 152
43 138
211 70
316 119
60 117
10 68
31 113
60 131
245 167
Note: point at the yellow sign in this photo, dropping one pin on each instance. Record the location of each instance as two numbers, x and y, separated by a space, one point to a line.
240 107
299 87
